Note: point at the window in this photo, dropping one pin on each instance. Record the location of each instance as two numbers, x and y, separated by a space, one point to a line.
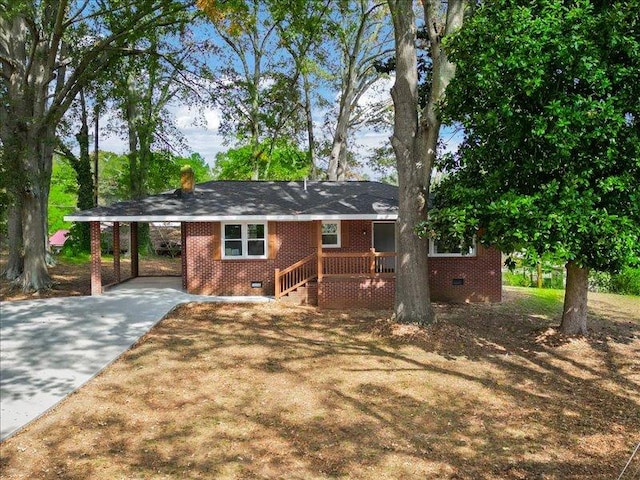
444 247
331 234
244 240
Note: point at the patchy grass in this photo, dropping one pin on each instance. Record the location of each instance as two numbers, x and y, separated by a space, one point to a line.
271 391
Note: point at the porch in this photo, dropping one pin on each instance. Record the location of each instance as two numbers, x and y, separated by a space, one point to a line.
340 280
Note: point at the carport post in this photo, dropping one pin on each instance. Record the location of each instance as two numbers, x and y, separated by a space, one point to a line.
96 261
133 246
116 250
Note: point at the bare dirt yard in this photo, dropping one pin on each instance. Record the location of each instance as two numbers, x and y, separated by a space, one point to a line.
72 278
274 391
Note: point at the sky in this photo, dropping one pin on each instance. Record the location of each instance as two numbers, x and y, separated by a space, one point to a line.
207 141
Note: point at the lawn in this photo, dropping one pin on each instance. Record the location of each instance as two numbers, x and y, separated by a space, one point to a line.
273 391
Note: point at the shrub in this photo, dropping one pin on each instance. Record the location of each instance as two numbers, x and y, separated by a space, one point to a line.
627 282
517 279
599 282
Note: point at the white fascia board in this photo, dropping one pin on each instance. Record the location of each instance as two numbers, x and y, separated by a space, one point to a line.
226 218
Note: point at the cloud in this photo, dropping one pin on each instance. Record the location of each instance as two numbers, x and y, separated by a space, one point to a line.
200 130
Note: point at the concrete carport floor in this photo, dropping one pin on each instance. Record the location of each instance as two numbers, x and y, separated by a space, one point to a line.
50 347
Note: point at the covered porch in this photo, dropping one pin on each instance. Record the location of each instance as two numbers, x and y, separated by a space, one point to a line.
343 279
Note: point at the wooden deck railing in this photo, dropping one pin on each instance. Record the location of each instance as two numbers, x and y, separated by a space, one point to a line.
357 264
295 275
370 264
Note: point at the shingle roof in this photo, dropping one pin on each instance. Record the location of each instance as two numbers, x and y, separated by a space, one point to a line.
226 200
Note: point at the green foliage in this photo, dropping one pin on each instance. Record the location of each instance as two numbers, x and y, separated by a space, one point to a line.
72 255
600 282
113 178
627 282
165 168
283 162
62 196
163 174
525 267
549 97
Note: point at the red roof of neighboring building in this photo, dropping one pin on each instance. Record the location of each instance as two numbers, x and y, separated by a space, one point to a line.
58 238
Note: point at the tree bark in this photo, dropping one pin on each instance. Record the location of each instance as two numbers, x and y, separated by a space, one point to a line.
574 313
412 301
337 169
415 140
15 260
311 157
35 276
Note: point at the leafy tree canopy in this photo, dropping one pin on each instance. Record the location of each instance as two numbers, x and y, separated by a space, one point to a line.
548 93
164 174
282 162
63 195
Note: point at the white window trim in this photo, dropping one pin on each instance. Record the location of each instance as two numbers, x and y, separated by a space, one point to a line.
338 233
472 253
244 237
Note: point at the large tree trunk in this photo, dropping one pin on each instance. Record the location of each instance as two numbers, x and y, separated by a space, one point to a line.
337 169
35 276
412 302
414 141
15 261
574 314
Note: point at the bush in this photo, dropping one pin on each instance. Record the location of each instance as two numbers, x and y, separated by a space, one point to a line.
517 279
627 282
599 282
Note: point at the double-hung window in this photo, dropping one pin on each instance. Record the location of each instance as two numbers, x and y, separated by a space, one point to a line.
244 240
331 234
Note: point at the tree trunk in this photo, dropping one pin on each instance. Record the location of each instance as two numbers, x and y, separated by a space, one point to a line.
82 167
311 158
414 141
412 302
337 168
15 261
574 313
35 276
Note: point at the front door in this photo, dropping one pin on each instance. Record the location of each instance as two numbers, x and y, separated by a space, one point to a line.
384 240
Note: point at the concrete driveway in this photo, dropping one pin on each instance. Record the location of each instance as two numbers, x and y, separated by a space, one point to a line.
50 347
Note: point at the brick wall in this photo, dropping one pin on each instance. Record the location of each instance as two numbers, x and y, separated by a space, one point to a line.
477 279
345 293
206 274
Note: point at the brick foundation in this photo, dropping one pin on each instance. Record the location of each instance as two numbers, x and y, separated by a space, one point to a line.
346 293
467 279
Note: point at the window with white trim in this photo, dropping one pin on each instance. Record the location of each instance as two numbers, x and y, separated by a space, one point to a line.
331 234
244 240
444 247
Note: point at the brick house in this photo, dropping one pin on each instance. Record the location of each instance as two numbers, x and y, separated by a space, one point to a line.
330 244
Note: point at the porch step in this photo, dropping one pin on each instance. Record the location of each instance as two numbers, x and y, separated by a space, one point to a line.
305 295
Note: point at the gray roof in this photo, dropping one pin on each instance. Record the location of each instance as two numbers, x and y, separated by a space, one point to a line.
253 200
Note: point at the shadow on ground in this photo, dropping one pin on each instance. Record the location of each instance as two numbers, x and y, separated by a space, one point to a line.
280 392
